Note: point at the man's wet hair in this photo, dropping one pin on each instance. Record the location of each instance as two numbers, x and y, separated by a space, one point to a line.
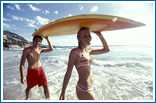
37 36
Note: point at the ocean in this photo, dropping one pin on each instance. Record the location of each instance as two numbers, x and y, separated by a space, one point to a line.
125 73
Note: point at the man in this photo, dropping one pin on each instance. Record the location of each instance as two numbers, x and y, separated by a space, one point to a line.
35 74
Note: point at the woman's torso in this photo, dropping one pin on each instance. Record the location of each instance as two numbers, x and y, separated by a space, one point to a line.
84 70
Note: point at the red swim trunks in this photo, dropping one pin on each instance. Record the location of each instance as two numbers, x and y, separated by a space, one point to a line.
36 76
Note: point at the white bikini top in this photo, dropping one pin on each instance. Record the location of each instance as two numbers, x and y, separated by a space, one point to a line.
84 61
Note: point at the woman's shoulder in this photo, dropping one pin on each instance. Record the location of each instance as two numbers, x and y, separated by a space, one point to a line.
75 51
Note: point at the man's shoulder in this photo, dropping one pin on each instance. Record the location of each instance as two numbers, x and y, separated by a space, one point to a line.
27 48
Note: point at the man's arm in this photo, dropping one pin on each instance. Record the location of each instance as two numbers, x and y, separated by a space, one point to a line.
105 47
22 62
50 48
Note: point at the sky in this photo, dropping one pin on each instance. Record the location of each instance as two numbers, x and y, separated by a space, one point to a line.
24 17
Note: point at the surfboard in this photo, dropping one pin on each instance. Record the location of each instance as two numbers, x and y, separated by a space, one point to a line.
95 22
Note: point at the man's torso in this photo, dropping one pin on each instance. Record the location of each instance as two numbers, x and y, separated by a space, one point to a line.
33 57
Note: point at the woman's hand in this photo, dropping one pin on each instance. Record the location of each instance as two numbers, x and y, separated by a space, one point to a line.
98 33
105 47
46 37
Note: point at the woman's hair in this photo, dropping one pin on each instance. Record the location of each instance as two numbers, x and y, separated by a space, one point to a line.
82 28
37 36
78 34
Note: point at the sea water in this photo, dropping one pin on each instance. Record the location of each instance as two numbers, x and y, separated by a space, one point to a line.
125 73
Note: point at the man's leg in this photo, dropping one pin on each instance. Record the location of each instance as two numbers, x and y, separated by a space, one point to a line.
46 92
27 92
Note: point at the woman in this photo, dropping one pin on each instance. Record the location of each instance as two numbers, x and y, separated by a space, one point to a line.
80 58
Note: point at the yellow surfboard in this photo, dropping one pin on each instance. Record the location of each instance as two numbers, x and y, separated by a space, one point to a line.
96 22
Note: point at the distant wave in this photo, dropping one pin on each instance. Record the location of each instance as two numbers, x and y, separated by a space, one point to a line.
121 63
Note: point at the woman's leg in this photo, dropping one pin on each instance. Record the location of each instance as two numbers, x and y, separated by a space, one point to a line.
84 95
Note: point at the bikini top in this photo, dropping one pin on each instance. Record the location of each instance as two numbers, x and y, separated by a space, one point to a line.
84 61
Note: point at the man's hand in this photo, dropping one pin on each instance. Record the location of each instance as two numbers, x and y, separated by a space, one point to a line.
62 97
22 80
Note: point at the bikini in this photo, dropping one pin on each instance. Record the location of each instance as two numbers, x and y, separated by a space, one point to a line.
83 62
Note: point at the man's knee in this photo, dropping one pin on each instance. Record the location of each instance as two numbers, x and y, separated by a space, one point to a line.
45 87
27 89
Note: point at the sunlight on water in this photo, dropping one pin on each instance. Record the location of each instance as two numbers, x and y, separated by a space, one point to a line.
122 74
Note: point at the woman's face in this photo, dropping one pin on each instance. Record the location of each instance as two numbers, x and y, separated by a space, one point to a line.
84 37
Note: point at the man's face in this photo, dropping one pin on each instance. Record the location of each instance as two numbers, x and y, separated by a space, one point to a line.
37 41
